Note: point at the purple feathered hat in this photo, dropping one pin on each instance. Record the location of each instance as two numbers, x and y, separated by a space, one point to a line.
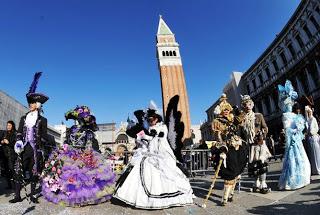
32 96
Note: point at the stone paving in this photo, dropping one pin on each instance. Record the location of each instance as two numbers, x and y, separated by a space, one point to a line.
302 201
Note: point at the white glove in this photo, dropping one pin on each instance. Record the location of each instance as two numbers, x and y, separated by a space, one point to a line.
18 147
223 156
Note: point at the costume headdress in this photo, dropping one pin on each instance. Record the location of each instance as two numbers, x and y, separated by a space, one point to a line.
245 99
223 105
81 134
153 111
32 95
287 96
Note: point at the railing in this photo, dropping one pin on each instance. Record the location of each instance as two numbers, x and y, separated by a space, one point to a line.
195 161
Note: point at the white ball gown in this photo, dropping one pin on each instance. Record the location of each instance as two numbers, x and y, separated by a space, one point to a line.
152 180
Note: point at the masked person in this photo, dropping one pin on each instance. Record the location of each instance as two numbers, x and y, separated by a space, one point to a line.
31 138
231 148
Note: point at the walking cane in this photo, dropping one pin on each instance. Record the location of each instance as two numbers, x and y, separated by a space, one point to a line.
212 184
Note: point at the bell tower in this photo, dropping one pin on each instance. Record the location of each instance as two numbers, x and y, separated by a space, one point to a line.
171 74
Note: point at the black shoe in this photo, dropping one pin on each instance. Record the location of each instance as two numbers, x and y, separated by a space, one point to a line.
224 203
256 189
265 190
230 199
34 200
15 200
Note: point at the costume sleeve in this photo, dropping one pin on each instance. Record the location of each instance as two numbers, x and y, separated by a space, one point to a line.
314 128
264 126
44 130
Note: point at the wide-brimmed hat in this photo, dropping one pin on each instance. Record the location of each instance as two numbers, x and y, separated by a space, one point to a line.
32 95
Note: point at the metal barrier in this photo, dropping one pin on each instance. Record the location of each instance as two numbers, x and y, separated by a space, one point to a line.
197 161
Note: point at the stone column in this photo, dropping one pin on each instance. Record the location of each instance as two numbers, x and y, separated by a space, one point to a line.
310 80
272 104
264 108
299 87
318 68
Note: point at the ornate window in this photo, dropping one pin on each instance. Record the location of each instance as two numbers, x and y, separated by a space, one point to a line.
308 33
283 58
299 40
267 72
291 50
275 65
315 23
260 79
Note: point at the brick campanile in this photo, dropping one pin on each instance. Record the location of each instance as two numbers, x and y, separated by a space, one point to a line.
171 73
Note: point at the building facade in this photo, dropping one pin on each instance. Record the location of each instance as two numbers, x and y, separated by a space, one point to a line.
113 139
293 55
171 74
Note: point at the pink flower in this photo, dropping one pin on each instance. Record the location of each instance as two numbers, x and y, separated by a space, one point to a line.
59 171
46 165
65 147
53 169
54 188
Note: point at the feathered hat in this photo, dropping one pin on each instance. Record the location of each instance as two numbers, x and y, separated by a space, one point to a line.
223 105
245 99
32 96
153 111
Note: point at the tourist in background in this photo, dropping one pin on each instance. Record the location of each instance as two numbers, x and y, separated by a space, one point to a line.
7 140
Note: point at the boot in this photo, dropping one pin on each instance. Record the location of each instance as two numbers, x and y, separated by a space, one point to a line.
17 197
227 189
33 196
256 186
9 184
264 187
230 198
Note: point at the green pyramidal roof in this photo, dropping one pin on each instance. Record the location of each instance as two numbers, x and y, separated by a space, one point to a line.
163 28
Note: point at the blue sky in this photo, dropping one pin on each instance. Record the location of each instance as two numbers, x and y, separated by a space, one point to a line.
102 53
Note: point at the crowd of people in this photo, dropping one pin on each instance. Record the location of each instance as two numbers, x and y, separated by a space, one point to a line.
76 174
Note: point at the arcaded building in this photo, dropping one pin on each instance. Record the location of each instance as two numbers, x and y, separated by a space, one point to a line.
293 55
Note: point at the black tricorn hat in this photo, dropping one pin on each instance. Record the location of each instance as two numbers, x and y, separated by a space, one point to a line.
32 96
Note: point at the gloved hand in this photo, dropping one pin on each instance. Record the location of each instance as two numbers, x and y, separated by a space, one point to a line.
18 147
223 156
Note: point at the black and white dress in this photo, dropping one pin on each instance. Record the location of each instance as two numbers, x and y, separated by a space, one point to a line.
152 180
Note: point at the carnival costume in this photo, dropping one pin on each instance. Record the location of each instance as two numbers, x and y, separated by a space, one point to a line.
75 174
313 141
231 147
152 179
31 140
296 167
254 131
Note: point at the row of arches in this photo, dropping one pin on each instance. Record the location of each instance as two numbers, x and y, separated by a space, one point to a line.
169 53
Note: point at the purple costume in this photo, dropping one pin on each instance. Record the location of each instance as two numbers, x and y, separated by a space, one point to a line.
75 174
